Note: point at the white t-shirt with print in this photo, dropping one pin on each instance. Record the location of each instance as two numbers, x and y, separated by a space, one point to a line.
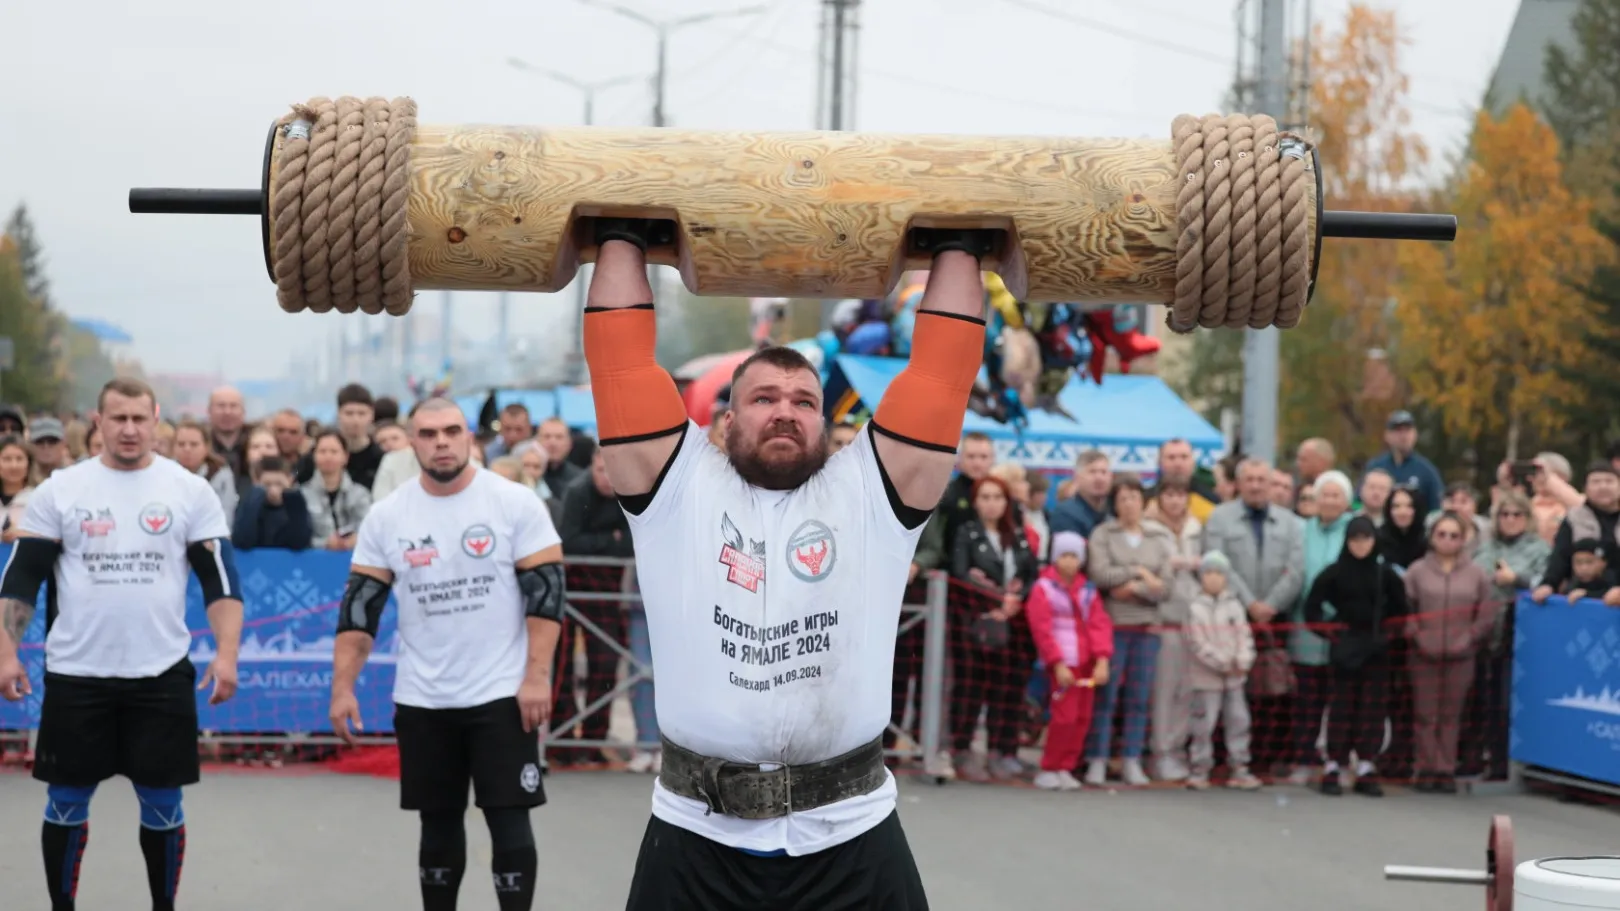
464 639
772 617
121 579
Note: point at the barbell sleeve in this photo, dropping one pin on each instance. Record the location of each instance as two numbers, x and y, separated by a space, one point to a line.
189 201
1390 225
1446 875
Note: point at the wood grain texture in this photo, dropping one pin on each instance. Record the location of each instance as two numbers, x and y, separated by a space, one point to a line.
792 214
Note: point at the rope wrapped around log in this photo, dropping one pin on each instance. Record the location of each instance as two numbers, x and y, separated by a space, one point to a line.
1244 244
338 201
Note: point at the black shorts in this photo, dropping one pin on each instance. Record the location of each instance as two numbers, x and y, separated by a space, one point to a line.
441 750
678 870
144 728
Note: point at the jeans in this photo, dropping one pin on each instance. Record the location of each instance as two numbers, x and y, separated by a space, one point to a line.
1135 662
641 693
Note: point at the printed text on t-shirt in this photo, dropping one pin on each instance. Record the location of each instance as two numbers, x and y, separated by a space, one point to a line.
452 596
767 646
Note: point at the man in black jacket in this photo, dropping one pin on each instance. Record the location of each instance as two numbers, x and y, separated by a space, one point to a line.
593 525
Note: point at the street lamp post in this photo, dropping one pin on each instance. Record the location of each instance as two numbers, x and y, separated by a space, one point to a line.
663 28
588 90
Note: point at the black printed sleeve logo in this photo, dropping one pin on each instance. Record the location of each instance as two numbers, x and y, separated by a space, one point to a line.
156 519
811 551
98 524
743 568
419 554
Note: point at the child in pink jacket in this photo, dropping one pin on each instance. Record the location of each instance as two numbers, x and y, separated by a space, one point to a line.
1075 639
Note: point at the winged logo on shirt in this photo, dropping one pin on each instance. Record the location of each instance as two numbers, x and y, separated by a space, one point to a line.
745 568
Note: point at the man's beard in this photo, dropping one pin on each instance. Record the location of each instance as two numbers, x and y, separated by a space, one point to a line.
444 476
779 475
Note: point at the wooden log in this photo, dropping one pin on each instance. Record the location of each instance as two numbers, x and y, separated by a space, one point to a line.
808 214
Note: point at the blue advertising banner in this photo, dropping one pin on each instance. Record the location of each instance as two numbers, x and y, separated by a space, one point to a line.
284 673
1566 688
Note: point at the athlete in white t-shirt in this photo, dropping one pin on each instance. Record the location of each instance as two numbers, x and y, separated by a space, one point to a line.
115 540
476 568
773 576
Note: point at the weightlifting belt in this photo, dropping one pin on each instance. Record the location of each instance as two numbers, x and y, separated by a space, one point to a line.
744 791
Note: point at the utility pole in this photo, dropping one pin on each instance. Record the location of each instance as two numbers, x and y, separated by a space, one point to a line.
1261 346
835 85
446 333
576 354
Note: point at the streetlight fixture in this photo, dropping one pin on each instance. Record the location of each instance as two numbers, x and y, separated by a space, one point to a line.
663 27
587 89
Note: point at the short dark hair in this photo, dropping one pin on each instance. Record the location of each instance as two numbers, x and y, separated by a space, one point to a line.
1171 485
775 356
127 386
977 436
356 394
386 409
1601 467
515 409
1038 482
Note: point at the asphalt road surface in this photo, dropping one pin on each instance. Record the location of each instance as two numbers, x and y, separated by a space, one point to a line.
314 841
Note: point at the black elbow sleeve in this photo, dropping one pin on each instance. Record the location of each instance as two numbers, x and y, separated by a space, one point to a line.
30 564
214 562
364 600
543 588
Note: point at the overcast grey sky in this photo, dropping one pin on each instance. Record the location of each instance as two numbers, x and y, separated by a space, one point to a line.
100 96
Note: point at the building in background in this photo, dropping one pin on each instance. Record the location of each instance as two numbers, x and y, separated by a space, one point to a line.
1521 69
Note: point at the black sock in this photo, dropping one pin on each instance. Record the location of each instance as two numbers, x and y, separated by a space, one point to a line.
442 859
514 870
165 853
64 852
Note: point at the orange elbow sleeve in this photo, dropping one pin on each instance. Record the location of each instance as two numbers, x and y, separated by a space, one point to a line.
926 404
635 398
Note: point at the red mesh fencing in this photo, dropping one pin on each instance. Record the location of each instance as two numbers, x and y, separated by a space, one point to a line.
1424 700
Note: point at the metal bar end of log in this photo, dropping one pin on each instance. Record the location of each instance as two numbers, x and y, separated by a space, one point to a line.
189 201
1390 226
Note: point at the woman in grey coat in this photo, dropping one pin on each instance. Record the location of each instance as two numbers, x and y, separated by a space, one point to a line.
1515 557
336 502
192 450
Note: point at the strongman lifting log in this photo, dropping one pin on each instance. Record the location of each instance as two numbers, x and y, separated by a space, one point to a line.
360 207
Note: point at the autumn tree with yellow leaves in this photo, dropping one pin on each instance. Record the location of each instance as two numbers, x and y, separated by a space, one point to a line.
1334 385
1485 322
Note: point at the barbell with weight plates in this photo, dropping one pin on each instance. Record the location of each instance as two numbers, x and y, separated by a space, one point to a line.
1547 884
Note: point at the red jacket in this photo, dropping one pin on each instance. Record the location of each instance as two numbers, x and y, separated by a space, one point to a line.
1068 622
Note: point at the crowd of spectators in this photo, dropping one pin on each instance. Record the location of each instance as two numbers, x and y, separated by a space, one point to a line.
1249 624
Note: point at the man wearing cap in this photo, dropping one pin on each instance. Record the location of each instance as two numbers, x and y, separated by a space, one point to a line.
1404 464
47 437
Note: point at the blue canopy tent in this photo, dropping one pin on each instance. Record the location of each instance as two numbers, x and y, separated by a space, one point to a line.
103 331
1128 417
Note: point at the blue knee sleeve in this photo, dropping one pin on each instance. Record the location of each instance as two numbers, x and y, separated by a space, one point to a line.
68 806
160 808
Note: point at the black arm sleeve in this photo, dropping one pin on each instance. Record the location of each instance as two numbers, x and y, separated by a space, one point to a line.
543 588
214 562
364 600
31 563
1558 564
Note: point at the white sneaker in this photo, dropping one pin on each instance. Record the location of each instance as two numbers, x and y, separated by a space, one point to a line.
640 764
1131 773
1172 770
1049 781
1067 782
1097 772
1300 777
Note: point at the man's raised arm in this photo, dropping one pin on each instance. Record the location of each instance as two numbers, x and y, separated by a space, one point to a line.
639 413
919 421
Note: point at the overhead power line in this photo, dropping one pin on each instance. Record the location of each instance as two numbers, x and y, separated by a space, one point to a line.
1118 32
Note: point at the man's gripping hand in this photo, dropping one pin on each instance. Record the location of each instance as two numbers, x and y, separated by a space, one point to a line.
222 674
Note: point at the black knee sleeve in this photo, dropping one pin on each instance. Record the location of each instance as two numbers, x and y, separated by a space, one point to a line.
509 828
444 832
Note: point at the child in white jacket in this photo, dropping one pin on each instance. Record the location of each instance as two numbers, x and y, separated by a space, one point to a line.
1222 649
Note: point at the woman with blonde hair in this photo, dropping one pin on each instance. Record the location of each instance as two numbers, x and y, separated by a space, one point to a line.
18 475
